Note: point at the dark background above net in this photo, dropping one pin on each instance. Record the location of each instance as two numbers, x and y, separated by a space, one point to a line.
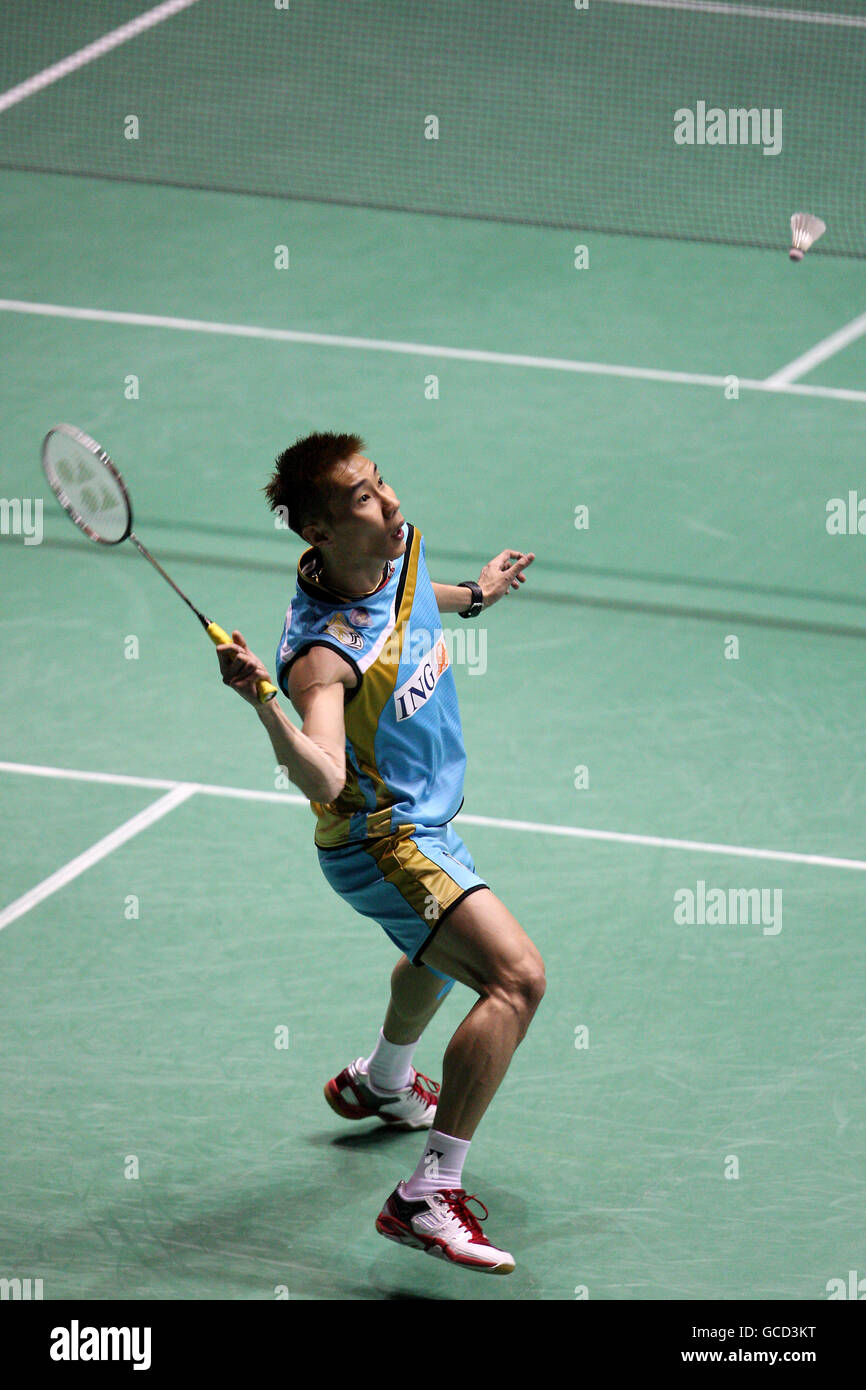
547 114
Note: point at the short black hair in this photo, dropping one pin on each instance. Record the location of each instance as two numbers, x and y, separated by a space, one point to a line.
302 480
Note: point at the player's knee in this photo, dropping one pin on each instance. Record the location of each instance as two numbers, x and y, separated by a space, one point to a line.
521 984
534 983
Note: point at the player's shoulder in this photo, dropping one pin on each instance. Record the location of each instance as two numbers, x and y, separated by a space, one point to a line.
312 651
319 663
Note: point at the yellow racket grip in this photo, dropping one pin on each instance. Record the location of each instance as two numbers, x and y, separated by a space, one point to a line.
264 689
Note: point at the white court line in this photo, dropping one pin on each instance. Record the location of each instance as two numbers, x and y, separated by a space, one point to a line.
534 827
120 779
181 792
502 359
819 353
745 11
94 50
663 842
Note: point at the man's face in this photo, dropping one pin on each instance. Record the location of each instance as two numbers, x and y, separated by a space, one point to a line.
367 521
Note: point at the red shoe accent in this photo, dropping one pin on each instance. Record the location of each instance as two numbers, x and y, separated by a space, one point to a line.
336 1102
457 1200
429 1092
395 1222
426 1090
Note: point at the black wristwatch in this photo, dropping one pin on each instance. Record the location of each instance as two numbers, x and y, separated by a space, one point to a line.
477 603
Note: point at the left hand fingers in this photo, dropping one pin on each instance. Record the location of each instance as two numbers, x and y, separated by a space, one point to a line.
514 572
504 573
505 558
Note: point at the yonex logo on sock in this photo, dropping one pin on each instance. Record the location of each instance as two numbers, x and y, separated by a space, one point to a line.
431 1163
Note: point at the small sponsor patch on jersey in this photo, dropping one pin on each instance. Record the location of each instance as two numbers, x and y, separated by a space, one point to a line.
359 617
339 628
417 690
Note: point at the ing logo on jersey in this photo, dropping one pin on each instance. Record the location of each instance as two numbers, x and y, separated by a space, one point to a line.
415 692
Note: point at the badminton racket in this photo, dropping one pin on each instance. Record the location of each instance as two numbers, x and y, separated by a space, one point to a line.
91 491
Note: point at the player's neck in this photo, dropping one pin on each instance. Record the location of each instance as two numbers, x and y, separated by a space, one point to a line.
356 579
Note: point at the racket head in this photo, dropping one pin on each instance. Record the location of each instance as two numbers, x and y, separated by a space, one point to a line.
87 485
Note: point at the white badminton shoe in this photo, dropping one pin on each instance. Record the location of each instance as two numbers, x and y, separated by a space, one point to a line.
351 1095
442 1225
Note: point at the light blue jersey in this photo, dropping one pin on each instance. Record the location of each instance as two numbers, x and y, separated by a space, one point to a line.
405 760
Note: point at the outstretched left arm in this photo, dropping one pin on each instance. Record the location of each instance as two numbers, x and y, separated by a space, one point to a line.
503 573
452 598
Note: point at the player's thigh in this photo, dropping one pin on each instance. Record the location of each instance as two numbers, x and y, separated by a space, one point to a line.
482 944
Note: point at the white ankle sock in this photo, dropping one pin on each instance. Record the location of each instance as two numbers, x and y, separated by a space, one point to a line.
389 1066
441 1165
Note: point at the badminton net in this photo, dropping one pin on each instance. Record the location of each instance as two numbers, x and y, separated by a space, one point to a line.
532 111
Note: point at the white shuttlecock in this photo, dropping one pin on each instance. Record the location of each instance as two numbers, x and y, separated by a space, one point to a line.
804 230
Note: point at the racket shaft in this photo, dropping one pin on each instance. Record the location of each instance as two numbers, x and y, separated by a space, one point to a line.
142 550
264 689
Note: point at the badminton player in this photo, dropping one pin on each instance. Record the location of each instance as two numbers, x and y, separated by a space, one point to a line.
380 755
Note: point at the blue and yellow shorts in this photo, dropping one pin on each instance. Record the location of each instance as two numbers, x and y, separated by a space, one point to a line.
408 882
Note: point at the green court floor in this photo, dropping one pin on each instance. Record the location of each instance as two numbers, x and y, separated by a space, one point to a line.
685 1119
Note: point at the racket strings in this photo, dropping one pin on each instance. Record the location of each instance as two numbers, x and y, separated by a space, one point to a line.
87 487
